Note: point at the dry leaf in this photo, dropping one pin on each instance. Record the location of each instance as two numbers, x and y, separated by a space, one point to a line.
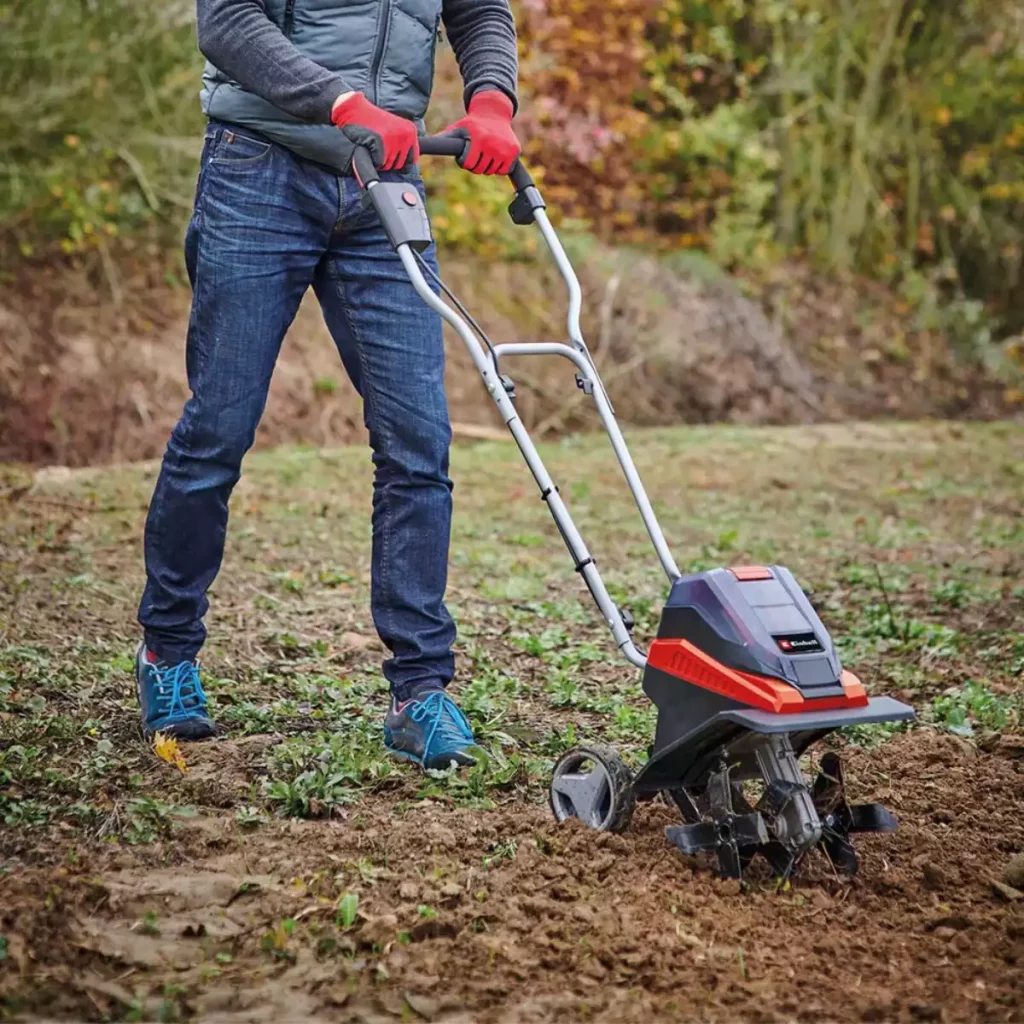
167 749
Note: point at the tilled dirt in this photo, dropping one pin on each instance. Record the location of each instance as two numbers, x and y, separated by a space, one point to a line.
505 916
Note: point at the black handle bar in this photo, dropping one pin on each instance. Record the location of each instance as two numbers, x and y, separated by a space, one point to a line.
442 145
434 145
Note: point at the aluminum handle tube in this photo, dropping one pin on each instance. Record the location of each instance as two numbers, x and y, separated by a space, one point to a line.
604 406
573 540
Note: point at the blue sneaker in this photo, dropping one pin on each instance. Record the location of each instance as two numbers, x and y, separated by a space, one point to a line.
171 698
429 729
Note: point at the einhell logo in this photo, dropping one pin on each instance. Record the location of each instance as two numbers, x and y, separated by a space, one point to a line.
805 643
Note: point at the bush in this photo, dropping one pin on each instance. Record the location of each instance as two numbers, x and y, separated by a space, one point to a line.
100 126
884 137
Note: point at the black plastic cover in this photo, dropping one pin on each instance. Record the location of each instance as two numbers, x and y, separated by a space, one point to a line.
527 200
402 213
689 759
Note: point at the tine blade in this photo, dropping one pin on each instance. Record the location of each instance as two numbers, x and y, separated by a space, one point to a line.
687 807
832 767
747 854
828 791
749 829
780 859
720 795
730 863
691 839
842 854
872 818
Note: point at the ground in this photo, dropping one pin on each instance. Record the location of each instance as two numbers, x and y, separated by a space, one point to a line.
290 871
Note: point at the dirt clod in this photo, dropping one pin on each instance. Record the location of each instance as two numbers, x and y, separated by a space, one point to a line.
423 1006
1013 875
376 931
1007 892
935 878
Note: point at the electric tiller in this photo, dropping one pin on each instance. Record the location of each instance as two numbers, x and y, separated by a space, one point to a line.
743 673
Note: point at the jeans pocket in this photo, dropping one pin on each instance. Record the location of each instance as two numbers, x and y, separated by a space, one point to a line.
234 149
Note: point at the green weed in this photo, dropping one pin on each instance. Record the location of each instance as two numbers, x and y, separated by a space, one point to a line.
348 908
976 706
250 817
150 819
872 735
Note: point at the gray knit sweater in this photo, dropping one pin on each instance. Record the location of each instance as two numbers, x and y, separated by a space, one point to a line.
238 37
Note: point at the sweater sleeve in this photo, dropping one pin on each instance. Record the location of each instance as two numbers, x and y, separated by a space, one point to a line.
238 38
483 36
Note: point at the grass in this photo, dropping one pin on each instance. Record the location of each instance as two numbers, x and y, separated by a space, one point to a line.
908 537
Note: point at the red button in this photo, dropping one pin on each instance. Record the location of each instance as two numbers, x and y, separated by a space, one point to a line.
748 573
410 198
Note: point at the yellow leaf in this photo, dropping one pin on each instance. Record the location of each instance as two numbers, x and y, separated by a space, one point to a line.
1001 190
167 749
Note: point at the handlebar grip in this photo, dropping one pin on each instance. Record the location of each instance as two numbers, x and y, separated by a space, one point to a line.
365 169
433 145
452 145
442 145
520 176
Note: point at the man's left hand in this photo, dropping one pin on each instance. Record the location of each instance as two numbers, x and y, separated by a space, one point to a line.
493 146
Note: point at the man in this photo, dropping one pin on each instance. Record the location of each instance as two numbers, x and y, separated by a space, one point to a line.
290 88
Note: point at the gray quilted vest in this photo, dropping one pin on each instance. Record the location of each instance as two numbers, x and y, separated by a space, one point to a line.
383 48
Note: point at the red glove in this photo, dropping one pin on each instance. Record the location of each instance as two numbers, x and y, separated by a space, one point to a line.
391 140
493 146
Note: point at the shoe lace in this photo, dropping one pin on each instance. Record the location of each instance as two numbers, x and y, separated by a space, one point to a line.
448 725
179 691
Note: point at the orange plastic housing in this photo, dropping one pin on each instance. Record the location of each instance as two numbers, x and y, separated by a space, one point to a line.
683 660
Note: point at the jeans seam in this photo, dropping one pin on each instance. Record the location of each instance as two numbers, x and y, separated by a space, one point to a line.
200 226
196 293
156 530
340 220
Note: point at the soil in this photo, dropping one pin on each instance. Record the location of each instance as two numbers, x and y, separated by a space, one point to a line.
575 925
129 890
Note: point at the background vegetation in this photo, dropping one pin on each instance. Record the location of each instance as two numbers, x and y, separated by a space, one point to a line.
881 136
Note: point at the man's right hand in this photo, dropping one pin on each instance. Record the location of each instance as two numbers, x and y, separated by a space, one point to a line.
392 141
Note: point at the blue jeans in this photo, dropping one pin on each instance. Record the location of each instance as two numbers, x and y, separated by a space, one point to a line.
266 226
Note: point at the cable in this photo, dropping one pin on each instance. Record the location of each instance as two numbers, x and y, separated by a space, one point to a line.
459 306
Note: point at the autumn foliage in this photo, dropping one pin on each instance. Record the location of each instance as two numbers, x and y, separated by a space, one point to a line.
584 63
883 137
